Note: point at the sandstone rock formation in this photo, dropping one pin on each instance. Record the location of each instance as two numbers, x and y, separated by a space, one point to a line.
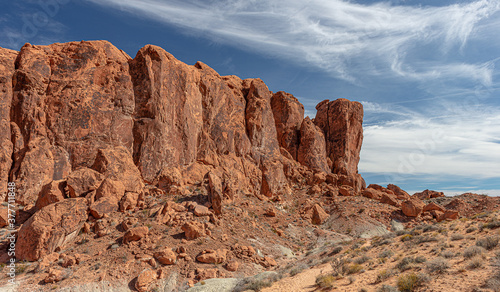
341 121
7 58
53 226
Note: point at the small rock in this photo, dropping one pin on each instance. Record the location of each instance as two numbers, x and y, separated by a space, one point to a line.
135 234
145 279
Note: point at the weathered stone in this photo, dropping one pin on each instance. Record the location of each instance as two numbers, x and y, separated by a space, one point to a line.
288 114
400 194
7 58
433 206
428 194
145 279
135 234
166 257
342 123
82 181
51 193
312 148
412 207
212 256
193 230
117 164
319 215
53 226
215 192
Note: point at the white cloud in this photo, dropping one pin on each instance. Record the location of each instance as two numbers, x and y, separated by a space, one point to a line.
335 35
454 144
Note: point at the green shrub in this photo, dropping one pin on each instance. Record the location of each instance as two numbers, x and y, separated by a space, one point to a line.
325 281
384 275
349 269
405 264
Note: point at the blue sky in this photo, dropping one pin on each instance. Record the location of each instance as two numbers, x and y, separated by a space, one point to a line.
426 71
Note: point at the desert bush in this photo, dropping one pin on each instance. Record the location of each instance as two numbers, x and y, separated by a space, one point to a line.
431 228
488 242
493 224
349 269
256 283
473 251
438 265
471 229
405 264
475 263
384 275
406 237
386 254
425 238
401 232
336 250
410 282
325 281
298 269
420 259
447 254
493 283
361 260
387 288
456 236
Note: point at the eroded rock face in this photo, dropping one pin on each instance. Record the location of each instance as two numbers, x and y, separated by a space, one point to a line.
69 100
53 226
7 58
342 123
312 148
288 115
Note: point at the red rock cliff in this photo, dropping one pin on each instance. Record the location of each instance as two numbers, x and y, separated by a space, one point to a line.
63 104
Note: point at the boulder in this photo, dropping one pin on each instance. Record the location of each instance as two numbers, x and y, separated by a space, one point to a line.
412 207
135 234
51 227
210 256
102 207
51 193
117 165
129 201
166 257
4 216
400 194
193 230
389 199
448 215
433 206
82 181
427 194
145 279
109 188
319 215
215 192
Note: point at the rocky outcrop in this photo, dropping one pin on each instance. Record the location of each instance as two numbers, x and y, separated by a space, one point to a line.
428 194
288 117
51 227
341 121
7 58
84 119
312 148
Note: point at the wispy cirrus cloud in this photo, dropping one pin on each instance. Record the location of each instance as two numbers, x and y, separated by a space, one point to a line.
341 37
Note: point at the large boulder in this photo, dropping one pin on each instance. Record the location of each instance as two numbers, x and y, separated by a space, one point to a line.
51 227
51 193
82 181
412 207
400 193
7 58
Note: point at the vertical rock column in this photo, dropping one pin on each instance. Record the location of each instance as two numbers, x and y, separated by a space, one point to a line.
341 121
7 58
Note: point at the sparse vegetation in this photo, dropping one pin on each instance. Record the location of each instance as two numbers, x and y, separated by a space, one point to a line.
405 264
475 263
456 236
361 260
438 265
384 275
325 281
473 251
410 282
488 242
